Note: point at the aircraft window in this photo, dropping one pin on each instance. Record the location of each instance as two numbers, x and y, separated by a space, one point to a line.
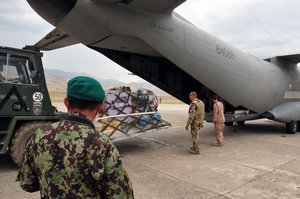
17 69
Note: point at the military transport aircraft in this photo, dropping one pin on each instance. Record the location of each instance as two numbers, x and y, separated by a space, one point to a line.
147 38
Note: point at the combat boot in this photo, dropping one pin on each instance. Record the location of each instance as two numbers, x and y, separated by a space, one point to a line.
192 151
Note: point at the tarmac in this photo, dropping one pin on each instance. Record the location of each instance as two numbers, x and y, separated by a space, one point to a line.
257 161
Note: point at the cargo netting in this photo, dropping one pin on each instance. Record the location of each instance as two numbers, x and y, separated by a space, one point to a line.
127 113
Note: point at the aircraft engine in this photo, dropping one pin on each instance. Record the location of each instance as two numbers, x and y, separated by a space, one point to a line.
52 11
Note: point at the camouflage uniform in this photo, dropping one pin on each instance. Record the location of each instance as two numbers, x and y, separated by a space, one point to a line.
196 117
71 160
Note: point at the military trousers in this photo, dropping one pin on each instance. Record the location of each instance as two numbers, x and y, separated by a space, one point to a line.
195 131
219 126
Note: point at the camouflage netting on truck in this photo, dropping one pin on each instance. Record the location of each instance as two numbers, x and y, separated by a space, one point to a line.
127 113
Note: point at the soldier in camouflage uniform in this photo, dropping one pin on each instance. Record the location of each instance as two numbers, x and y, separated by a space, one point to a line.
70 159
195 120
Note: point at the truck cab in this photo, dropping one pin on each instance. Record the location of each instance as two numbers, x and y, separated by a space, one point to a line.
24 96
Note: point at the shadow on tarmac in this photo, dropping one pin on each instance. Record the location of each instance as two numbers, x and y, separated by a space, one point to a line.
7 164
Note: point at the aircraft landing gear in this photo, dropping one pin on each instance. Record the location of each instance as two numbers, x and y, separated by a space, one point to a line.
291 127
235 126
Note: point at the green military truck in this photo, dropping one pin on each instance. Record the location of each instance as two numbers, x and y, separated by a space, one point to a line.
24 99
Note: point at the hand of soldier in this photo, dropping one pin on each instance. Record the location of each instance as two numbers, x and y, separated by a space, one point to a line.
187 127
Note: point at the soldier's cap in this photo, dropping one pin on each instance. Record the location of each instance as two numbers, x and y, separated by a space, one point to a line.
85 89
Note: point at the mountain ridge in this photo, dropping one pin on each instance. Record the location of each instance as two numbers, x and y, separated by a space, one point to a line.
57 82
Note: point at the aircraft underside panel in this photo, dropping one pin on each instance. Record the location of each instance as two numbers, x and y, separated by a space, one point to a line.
163 74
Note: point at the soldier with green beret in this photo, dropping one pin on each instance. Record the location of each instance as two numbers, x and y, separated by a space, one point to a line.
69 158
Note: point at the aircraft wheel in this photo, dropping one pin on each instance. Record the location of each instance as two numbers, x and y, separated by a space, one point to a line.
20 139
291 127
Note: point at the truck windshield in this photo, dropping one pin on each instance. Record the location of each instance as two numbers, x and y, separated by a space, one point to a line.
16 69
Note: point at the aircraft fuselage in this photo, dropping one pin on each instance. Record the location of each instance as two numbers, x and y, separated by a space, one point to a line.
240 79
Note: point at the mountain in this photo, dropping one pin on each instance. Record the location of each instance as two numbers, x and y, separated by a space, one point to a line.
57 82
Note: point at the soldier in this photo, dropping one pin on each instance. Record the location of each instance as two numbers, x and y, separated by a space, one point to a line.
218 120
69 158
196 117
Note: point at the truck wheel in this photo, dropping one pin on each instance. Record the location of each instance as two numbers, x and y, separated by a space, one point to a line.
21 138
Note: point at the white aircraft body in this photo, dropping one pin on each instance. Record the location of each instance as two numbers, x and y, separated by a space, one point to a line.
155 43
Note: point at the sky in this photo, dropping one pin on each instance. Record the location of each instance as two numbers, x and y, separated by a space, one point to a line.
264 28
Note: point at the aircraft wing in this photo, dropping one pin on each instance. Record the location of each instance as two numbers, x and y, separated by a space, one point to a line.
293 58
160 6
56 39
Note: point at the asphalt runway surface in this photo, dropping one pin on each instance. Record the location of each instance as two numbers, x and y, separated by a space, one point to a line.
258 161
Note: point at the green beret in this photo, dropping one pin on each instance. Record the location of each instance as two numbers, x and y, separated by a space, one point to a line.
85 89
